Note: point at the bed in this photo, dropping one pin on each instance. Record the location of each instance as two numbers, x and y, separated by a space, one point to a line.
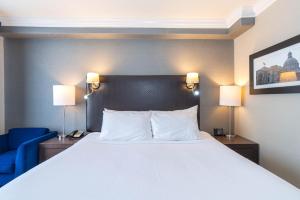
153 169
203 169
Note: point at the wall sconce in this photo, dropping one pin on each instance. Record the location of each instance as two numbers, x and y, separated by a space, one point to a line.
192 82
93 83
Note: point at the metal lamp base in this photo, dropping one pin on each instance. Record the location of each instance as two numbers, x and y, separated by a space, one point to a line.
230 136
60 137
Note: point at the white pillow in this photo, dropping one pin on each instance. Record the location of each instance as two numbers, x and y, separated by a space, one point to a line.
193 110
126 111
175 125
126 126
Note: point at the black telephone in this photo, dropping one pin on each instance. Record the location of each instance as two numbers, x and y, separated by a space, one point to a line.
219 132
76 134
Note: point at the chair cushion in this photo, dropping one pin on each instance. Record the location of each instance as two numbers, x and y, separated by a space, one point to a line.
5 178
19 135
7 162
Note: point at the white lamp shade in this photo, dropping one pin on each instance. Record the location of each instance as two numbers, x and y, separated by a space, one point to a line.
192 78
92 77
230 95
63 95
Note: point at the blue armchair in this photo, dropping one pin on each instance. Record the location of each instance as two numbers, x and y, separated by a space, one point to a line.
19 151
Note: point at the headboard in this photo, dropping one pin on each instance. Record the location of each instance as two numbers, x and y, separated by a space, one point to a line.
162 92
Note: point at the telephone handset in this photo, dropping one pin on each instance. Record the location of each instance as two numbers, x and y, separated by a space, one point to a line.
76 134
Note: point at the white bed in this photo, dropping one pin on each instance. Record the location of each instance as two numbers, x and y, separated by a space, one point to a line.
203 169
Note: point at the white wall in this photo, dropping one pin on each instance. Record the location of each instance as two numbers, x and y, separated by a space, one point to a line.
271 120
1 86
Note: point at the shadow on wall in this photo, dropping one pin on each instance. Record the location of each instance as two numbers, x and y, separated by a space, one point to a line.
15 106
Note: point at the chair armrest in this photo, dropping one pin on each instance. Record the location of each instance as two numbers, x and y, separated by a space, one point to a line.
28 154
3 143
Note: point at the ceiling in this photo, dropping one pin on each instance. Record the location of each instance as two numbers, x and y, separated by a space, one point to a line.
129 13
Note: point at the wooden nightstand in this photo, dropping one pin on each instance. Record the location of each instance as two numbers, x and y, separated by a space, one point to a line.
51 147
243 146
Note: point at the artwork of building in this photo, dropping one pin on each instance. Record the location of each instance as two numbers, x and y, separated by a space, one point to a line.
275 73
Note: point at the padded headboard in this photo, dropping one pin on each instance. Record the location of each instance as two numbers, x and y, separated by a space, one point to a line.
166 92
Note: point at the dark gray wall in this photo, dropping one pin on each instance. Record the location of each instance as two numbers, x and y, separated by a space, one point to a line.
32 66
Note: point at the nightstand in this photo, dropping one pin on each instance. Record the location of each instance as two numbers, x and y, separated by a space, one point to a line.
242 146
53 146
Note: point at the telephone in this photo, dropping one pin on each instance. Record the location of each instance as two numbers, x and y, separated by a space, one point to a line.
219 132
76 134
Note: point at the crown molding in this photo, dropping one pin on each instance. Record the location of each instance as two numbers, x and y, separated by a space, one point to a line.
114 23
248 11
262 5
234 31
242 12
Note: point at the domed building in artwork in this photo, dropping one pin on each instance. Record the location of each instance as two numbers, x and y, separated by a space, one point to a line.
291 64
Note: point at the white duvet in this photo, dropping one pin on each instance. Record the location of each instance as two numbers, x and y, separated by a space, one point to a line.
203 169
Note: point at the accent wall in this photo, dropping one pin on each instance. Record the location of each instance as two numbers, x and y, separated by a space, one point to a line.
2 108
33 66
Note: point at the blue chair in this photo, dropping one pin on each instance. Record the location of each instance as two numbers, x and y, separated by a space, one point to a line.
19 151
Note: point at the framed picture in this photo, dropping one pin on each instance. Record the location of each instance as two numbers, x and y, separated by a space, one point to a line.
276 69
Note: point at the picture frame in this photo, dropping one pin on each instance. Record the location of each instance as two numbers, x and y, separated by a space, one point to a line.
276 70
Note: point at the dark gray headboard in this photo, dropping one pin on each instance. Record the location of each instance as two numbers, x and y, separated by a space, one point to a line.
167 92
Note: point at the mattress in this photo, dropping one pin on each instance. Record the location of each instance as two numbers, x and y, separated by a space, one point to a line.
190 170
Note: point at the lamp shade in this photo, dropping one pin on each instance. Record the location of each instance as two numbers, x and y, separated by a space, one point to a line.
92 77
230 95
192 78
63 95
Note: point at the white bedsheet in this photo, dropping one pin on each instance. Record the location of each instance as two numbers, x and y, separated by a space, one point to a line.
204 169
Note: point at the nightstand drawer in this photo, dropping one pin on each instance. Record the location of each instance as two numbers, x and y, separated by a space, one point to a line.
54 146
248 152
45 154
242 146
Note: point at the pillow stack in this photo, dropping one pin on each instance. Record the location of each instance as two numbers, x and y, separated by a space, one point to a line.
174 125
